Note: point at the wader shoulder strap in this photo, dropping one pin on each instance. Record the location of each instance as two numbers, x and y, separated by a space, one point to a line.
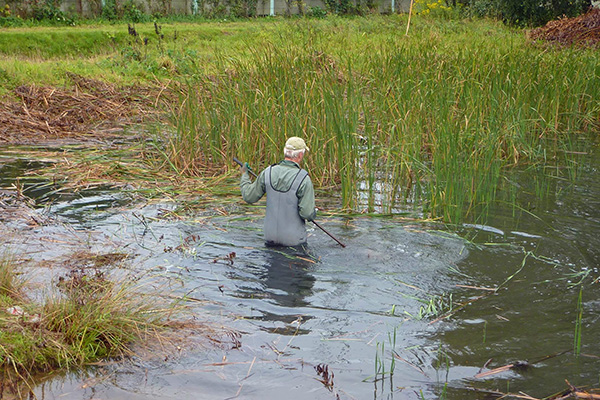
300 177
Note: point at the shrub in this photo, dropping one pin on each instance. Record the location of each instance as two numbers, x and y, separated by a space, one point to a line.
527 12
133 12
425 7
341 6
49 10
242 8
109 11
316 12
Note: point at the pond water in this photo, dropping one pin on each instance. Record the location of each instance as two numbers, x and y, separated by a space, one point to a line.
434 305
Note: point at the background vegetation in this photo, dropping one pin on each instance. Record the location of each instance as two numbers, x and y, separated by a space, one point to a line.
514 12
526 12
431 121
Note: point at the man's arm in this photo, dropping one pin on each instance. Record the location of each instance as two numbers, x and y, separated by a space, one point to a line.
252 191
306 200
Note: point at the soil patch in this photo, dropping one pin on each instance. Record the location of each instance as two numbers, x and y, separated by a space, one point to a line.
88 110
583 30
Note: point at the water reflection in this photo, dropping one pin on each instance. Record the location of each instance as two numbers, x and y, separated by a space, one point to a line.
279 288
287 276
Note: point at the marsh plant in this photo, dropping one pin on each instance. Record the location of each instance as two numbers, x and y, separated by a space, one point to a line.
11 284
430 122
88 319
434 306
385 368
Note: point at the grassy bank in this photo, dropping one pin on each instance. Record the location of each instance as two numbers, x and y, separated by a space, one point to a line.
110 52
85 318
432 120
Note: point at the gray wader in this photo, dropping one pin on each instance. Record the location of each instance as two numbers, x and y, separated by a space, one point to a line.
283 224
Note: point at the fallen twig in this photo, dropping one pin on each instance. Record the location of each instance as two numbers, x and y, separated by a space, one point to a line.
518 365
504 368
409 363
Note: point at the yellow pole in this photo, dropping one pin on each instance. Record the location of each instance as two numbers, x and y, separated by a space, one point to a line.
409 15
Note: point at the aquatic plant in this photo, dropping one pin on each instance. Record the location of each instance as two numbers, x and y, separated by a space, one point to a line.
396 122
381 370
11 284
433 306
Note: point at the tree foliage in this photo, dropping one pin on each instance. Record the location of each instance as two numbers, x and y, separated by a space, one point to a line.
527 12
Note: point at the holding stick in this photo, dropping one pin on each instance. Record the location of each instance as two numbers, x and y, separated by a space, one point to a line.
241 164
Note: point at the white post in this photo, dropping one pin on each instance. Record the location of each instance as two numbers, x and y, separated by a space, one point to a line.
393 7
272 11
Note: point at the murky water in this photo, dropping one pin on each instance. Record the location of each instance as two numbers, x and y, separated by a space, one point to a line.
417 299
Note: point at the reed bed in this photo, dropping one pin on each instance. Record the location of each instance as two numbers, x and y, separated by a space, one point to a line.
430 121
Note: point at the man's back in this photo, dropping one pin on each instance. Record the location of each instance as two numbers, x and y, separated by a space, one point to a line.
290 195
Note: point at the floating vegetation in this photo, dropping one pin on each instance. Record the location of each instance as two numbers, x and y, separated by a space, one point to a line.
325 377
434 307
228 259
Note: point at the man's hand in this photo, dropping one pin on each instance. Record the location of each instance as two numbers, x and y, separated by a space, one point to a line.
246 168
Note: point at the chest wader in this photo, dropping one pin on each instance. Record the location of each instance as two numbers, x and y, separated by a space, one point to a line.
283 224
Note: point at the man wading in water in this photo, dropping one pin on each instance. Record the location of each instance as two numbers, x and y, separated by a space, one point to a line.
290 196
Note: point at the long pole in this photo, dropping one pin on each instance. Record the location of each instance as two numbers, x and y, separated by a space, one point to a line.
329 234
314 222
409 15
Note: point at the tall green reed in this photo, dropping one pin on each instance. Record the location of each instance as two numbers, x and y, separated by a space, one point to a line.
406 123
381 370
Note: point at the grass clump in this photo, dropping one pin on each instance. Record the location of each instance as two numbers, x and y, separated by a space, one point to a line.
88 318
10 283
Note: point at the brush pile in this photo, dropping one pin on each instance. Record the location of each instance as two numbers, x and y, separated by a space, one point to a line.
89 110
583 30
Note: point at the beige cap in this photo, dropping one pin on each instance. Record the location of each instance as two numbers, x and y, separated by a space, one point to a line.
296 143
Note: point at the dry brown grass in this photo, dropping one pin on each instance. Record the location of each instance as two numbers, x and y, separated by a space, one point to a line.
88 110
581 30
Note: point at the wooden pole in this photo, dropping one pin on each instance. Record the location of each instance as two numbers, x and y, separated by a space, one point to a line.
409 15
